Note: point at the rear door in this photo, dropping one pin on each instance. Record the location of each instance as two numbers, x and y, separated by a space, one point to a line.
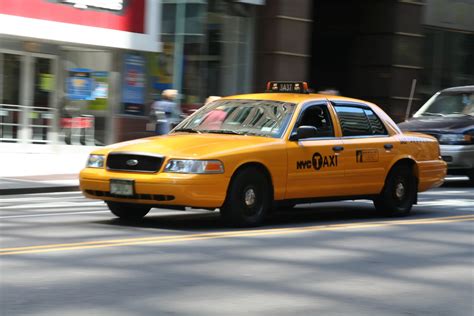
368 148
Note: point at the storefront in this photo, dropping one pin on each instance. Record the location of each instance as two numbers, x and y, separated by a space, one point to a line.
69 68
215 42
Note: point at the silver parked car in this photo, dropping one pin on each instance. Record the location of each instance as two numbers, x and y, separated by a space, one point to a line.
449 116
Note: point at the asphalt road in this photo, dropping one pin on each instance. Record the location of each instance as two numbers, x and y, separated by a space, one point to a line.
61 254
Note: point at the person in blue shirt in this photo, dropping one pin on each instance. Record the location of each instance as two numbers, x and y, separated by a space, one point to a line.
166 111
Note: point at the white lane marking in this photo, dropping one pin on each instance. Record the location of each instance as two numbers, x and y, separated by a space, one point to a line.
43 196
52 205
40 199
446 202
444 192
53 214
39 195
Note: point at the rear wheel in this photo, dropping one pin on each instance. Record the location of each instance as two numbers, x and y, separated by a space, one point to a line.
128 211
399 193
248 199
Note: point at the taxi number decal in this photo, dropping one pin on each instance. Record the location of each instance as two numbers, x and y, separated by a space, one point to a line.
367 155
317 162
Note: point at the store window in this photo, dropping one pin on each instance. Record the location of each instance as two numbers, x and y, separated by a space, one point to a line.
85 108
448 60
10 66
217 47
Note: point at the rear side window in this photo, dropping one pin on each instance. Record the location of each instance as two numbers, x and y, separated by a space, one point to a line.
357 121
376 124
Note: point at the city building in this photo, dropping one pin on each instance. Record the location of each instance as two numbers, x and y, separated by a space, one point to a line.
71 68
396 53
85 72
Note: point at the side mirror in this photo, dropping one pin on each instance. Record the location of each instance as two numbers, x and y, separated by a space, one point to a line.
304 132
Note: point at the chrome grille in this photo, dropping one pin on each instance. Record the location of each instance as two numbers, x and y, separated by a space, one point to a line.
134 162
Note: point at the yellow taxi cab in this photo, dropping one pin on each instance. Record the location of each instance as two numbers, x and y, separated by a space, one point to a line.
250 154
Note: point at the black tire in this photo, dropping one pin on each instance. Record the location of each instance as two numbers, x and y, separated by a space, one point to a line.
399 192
128 211
248 199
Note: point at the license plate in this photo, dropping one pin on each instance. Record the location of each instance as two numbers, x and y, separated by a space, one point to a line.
121 187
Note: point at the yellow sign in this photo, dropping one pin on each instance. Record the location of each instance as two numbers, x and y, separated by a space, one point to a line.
47 82
161 67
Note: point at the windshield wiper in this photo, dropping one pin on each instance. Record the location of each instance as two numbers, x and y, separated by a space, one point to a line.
431 114
221 131
188 130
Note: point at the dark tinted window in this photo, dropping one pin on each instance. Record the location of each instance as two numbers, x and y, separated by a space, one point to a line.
317 116
375 123
353 120
357 121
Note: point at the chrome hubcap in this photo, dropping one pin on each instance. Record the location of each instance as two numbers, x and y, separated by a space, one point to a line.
400 191
250 197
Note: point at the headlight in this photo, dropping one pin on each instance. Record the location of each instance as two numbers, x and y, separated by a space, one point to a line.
455 139
194 166
95 161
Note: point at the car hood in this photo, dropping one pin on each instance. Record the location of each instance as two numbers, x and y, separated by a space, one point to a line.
458 124
197 146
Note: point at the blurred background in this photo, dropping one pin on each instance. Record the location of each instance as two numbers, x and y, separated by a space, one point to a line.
85 72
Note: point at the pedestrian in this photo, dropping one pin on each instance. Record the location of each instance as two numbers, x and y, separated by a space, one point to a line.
166 111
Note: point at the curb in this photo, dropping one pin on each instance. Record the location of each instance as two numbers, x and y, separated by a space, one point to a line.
33 190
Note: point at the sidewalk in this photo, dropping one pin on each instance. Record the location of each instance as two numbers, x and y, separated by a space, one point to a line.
41 168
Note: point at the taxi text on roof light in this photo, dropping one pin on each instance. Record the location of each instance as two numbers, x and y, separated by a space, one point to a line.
287 86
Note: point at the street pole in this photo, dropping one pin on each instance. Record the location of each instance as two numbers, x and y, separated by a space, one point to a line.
410 99
180 25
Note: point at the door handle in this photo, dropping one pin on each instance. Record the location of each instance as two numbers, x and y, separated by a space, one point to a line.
338 148
388 146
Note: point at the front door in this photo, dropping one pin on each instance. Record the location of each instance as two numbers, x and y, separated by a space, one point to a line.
314 165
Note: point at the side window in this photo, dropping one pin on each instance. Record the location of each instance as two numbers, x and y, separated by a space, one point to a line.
375 123
317 116
356 121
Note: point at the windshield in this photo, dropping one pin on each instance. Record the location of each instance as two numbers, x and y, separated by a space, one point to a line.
242 117
448 104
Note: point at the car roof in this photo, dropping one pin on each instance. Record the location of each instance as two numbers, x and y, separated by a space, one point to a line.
293 97
459 89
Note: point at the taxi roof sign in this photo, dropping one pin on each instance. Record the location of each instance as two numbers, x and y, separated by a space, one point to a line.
287 87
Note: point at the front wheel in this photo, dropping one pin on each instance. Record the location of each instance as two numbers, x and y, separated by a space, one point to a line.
128 211
399 193
248 199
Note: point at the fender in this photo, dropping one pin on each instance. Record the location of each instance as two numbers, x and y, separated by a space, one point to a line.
398 158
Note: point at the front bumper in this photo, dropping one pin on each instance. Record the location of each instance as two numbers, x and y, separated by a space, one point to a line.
203 191
458 156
